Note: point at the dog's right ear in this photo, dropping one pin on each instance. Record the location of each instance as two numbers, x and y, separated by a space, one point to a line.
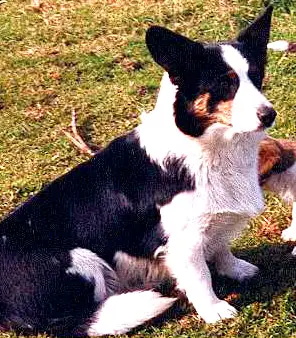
256 35
172 51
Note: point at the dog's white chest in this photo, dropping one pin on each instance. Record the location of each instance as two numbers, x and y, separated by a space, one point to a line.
191 212
226 190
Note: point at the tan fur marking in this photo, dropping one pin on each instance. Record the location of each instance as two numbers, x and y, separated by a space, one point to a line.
200 105
222 112
275 156
269 155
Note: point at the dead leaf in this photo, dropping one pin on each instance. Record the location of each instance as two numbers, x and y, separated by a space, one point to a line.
35 112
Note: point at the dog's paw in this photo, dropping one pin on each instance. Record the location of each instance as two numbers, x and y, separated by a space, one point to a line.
289 234
218 311
239 270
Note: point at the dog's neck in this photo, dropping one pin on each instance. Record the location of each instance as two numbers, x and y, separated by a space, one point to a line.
228 181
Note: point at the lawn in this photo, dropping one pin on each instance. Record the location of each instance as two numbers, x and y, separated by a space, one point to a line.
89 56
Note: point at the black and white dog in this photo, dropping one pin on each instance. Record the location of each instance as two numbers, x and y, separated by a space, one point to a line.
186 177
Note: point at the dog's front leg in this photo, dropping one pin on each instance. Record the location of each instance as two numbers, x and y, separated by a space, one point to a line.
186 261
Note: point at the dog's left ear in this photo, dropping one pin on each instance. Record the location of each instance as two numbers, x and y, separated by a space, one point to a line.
256 35
172 51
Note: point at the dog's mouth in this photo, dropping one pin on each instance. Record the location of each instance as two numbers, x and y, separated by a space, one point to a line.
266 116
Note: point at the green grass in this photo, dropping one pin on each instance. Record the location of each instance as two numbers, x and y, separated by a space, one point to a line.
90 56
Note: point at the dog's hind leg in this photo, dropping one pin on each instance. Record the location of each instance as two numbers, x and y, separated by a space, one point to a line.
230 266
217 250
54 291
96 271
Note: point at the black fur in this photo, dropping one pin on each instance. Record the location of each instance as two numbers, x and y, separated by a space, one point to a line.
106 204
252 43
35 292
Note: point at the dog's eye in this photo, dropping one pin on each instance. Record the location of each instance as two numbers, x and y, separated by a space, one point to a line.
232 75
227 85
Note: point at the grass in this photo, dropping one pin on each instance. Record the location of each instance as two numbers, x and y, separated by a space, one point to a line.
90 56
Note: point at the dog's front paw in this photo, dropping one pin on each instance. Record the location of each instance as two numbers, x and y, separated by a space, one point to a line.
218 311
289 234
239 270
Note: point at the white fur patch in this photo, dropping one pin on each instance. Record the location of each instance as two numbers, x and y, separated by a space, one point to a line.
159 135
289 234
186 259
120 313
229 265
248 99
280 45
94 269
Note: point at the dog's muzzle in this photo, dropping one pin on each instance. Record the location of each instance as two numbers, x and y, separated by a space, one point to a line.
266 115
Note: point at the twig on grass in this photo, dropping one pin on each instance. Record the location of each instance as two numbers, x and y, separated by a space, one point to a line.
76 139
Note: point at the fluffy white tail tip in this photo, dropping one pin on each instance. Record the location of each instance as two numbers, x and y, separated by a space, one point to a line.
121 313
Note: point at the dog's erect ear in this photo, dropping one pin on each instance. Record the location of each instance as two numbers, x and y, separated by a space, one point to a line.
172 51
257 33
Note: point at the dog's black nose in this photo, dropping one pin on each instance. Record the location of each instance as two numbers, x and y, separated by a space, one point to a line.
266 115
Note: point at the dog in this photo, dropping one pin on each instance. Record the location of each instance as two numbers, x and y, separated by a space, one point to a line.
277 173
277 161
186 177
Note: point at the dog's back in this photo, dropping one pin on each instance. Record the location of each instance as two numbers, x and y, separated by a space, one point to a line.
50 284
95 206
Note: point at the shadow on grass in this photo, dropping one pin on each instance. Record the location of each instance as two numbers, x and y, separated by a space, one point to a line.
277 274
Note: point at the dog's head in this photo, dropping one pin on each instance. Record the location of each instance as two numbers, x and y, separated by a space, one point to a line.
217 83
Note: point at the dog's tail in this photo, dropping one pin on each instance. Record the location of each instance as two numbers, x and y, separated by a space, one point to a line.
282 46
121 313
